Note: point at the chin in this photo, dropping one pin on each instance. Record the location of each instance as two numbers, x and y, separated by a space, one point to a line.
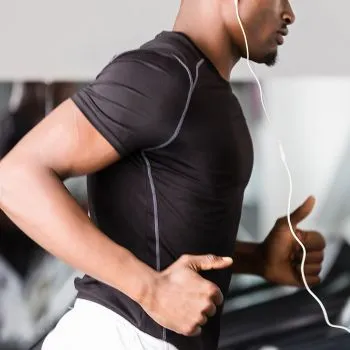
271 59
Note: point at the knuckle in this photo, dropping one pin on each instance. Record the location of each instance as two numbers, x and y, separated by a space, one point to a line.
188 330
320 236
210 309
202 320
211 257
212 290
185 332
199 319
184 258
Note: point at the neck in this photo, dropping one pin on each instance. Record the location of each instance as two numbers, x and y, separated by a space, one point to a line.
209 35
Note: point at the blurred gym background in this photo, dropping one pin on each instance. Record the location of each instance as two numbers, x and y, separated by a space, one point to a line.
50 49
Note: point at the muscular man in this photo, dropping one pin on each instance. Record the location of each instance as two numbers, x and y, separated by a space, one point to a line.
169 155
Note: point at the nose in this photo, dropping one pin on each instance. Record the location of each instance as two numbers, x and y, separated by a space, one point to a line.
288 14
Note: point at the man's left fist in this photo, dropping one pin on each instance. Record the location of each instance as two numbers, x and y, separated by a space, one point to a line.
282 254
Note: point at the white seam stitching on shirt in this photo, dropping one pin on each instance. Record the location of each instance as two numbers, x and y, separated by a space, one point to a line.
192 87
155 207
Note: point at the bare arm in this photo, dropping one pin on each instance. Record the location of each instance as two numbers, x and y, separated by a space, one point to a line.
248 259
32 194
64 144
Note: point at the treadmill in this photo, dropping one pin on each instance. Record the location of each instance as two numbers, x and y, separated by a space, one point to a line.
263 315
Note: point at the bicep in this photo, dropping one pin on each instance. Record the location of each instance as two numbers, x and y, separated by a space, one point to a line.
123 111
67 143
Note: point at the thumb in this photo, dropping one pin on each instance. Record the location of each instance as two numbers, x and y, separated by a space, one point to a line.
303 211
207 262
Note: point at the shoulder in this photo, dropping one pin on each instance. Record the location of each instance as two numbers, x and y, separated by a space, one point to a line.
150 66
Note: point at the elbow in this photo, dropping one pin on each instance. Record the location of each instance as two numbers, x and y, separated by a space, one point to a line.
20 174
3 184
8 178
14 177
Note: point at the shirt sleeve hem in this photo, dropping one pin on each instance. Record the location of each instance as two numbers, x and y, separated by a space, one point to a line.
107 134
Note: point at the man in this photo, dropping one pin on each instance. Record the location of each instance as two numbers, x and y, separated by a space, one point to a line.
169 155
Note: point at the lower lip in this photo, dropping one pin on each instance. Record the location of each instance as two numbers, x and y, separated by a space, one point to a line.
280 39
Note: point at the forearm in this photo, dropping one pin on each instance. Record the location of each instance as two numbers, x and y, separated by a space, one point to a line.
247 259
36 200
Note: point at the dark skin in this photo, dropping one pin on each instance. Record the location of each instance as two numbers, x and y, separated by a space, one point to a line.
278 258
177 298
282 254
214 27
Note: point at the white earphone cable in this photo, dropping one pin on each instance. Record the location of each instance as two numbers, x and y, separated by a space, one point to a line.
283 157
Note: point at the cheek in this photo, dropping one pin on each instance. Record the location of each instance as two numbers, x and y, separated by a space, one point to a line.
262 35
251 27
259 19
258 24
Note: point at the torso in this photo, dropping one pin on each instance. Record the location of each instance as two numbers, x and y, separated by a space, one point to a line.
199 179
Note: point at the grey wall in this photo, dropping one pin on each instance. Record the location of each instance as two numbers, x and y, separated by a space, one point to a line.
57 40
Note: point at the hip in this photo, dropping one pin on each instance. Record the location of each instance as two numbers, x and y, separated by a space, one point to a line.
91 326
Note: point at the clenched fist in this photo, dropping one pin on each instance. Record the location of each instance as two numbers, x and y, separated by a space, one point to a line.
182 300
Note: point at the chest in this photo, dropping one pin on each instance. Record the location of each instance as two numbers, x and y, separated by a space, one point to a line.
214 142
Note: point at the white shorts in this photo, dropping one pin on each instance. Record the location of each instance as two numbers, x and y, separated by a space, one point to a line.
90 326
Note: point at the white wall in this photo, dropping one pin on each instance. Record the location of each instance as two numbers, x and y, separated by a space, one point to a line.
312 121
57 40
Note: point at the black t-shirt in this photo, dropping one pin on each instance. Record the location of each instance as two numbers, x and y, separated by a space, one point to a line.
186 158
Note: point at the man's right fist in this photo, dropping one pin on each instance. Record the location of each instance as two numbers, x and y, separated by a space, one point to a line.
181 300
